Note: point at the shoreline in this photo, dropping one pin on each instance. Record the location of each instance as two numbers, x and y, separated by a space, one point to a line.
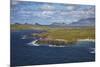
93 40
33 43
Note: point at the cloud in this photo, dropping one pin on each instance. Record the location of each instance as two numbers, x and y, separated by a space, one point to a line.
70 7
47 7
14 2
48 13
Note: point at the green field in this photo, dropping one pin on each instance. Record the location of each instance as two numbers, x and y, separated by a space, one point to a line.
68 34
27 27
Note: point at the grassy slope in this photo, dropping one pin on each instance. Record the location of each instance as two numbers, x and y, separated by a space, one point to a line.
70 34
20 27
26 27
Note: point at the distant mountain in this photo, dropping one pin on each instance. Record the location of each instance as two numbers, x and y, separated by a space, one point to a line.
84 22
37 24
58 24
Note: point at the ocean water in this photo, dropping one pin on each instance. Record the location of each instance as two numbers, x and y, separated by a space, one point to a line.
24 54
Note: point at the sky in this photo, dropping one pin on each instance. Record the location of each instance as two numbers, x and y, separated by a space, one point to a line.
48 13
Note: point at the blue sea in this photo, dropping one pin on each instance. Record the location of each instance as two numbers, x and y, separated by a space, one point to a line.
23 54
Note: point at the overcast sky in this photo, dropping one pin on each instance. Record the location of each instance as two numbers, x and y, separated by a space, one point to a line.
47 13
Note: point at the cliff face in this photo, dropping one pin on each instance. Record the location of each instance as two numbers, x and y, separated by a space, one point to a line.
53 42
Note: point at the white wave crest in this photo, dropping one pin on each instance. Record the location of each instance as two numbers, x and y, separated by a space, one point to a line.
93 40
33 43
